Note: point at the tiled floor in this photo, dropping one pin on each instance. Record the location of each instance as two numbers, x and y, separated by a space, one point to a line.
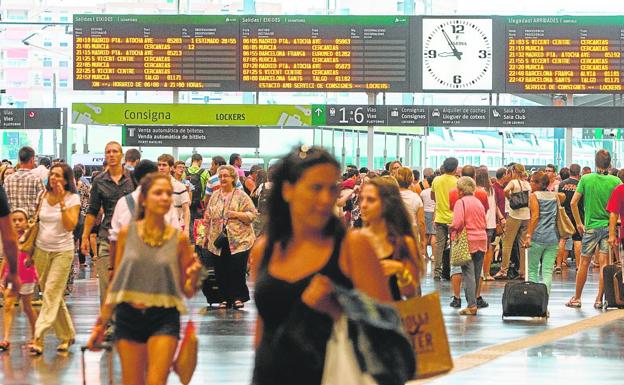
226 355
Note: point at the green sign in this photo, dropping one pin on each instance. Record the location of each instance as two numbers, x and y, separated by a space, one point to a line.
193 114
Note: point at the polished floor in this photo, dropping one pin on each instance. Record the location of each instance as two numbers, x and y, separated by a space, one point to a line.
593 355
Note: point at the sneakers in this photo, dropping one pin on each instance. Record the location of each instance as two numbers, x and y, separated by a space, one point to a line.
481 303
455 302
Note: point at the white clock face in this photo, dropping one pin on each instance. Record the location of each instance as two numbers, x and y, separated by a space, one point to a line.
457 54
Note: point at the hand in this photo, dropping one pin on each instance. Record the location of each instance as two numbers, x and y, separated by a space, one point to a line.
527 243
318 296
13 283
85 247
614 243
580 228
503 221
58 189
96 338
391 267
28 262
194 269
233 215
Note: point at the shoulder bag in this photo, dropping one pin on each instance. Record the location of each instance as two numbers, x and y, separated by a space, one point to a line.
564 224
519 200
26 242
222 239
460 252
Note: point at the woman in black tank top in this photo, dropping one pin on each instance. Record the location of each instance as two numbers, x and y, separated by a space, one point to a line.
305 253
388 224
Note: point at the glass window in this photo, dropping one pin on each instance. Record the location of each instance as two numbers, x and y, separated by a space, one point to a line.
47 82
63 63
63 44
64 19
63 83
47 62
47 44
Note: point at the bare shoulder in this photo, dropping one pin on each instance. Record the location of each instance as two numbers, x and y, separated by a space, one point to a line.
257 255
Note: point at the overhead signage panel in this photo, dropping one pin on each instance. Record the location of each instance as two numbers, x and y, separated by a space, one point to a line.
191 136
30 118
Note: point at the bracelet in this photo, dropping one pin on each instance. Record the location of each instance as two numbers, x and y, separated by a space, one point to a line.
63 208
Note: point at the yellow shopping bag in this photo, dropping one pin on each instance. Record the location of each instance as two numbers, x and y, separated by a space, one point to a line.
424 324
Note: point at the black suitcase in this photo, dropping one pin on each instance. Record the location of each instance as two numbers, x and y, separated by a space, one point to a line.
525 299
612 276
209 285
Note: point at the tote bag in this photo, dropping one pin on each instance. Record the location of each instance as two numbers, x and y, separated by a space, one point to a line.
424 324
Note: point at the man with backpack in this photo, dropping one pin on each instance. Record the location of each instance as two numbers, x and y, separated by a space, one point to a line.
198 179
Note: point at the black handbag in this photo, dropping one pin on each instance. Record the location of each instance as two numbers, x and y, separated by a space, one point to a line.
222 239
518 200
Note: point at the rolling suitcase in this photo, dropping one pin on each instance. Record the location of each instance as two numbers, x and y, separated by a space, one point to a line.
613 285
108 350
525 299
209 285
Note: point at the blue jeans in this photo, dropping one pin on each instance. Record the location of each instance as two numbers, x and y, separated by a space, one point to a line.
547 252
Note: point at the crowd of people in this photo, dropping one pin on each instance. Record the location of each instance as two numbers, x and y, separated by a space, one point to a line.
154 229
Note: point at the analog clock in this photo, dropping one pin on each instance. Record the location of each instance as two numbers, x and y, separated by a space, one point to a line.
457 54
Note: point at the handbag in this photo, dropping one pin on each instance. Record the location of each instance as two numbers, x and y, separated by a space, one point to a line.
186 360
341 365
26 242
518 200
460 252
564 224
424 324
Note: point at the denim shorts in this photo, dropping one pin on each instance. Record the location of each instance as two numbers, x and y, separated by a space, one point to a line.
138 325
595 239
429 226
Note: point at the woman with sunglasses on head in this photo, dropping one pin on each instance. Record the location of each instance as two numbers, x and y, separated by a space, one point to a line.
306 251
155 268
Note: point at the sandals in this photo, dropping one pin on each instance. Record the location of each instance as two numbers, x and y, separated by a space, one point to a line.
468 311
488 278
238 304
4 346
574 302
223 305
598 305
557 270
500 275
36 348
64 345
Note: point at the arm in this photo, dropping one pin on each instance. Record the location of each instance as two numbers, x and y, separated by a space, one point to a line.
189 265
458 218
247 213
576 213
613 218
422 227
534 209
409 277
69 216
508 189
106 311
256 255
9 243
344 197
186 208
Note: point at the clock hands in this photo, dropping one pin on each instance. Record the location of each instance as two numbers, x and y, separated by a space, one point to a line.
456 53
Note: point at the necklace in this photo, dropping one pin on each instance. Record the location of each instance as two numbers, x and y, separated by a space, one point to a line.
155 238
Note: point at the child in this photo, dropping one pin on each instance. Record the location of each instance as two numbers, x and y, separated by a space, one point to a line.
28 277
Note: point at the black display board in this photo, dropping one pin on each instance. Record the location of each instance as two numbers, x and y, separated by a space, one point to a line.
191 136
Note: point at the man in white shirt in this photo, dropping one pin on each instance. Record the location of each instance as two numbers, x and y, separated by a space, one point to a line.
42 170
181 197
127 205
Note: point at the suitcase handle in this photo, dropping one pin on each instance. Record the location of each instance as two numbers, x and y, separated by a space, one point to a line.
106 347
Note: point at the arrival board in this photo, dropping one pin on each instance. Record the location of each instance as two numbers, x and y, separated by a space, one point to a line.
242 53
564 54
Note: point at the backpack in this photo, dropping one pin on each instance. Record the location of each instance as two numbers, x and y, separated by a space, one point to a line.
197 193
263 198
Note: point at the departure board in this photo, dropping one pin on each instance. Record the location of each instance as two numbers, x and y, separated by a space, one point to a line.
564 54
243 53
155 52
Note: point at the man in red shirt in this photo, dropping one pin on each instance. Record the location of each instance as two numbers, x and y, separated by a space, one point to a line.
615 207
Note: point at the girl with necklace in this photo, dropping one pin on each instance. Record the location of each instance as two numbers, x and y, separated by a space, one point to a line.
156 267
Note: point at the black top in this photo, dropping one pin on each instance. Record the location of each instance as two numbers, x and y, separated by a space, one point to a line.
393 283
4 203
568 187
105 193
278 302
